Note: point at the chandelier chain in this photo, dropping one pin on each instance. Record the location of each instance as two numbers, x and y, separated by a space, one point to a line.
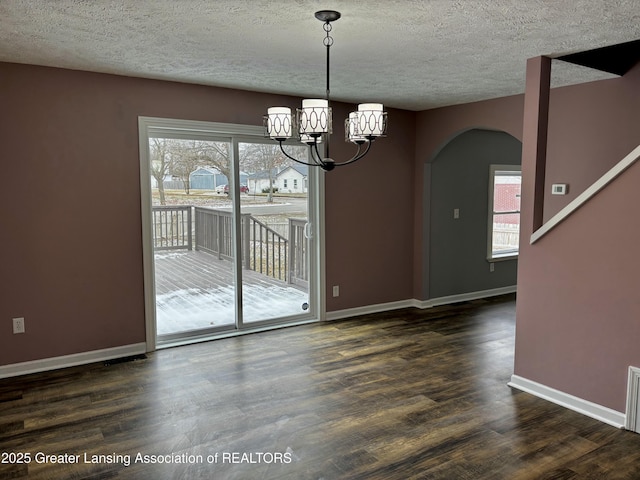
328 40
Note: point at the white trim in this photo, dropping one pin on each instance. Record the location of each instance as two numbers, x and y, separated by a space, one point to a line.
503 257
369 309
144 124
633 391
585 407
602 182
65 361
465 297
189 129
186 340
413 303
319 248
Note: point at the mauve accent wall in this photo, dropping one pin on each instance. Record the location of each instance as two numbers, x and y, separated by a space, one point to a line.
71 249
578 307
592 126
578 312
369 215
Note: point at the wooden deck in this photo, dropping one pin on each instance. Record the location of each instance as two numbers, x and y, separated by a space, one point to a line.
194 290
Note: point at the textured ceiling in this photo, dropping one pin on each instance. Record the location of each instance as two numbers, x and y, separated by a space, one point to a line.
404 53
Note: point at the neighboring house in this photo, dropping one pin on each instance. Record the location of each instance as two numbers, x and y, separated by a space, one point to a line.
507 199
290 179
293 179
257 182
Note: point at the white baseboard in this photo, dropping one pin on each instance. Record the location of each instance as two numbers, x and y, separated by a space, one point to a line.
368 309
433 302
65 361
585 407
465 297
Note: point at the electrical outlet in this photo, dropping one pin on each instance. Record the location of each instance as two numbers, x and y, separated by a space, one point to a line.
492 267
456 213
18 325
336 290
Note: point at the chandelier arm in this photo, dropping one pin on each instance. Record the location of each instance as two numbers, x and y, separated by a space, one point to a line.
314 164
357 156
320 161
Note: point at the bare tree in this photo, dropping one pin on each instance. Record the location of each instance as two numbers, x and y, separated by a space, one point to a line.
216 154
160 163
187 157
182 157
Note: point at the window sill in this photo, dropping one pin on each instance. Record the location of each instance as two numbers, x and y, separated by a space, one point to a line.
501 258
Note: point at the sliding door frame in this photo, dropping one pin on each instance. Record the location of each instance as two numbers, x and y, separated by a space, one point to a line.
149 127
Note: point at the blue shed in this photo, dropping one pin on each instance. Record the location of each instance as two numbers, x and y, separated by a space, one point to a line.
206 178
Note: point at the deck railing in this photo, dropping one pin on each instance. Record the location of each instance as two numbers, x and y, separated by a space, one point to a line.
263 249
299 268
213 232
172 227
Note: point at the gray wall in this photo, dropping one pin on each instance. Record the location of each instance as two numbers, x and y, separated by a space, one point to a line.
460 179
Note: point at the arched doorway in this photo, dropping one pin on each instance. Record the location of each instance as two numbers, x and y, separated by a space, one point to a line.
458 212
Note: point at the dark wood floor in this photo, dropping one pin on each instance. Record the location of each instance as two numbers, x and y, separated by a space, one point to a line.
408 394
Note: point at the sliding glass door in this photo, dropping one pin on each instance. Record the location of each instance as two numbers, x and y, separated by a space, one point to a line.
191 221
229 223
274 205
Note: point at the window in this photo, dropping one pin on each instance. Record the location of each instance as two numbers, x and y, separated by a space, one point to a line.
285 183
295 183
504 212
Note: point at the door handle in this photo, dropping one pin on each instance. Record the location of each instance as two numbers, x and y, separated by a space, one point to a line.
308 233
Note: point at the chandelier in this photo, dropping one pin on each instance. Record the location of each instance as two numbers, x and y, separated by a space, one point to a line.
312 124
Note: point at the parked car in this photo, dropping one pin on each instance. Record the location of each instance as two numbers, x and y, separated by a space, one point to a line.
221 188
243 189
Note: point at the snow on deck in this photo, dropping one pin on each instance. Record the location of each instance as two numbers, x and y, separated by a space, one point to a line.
194 290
